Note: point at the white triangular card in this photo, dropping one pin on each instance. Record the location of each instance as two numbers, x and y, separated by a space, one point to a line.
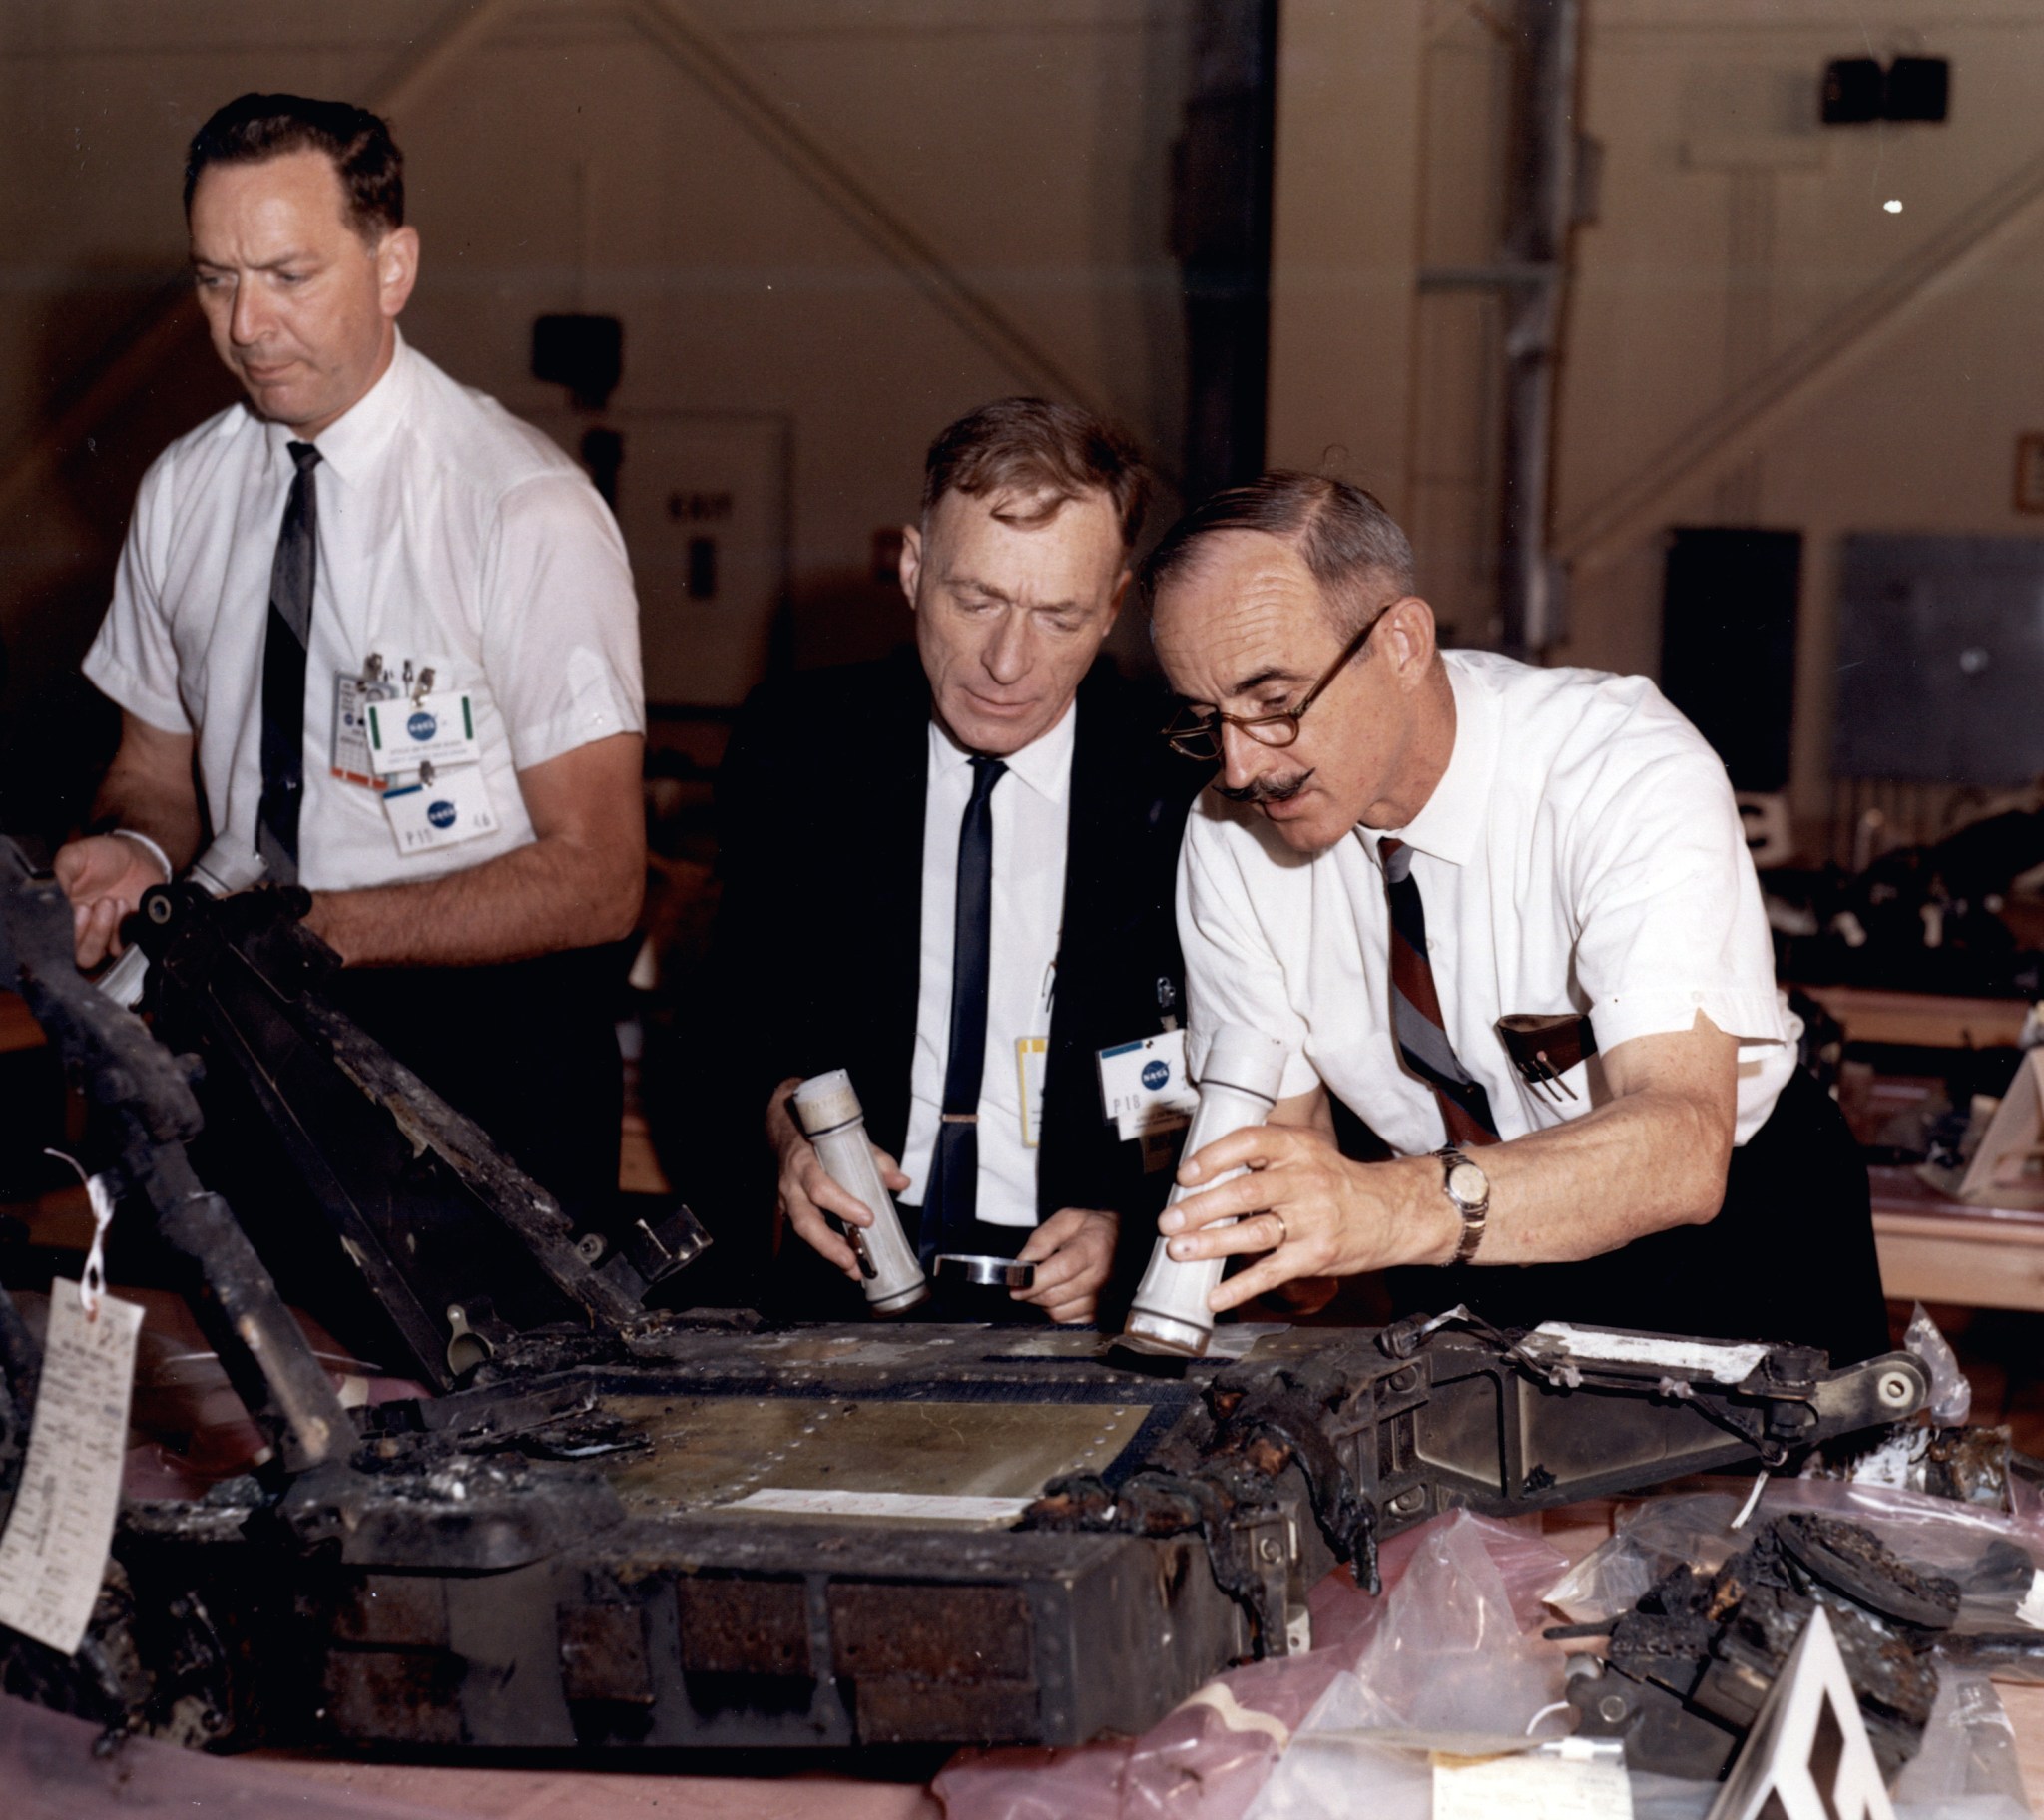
2007 1169
1807 1756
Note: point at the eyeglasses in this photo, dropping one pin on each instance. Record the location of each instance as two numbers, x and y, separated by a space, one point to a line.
1197 731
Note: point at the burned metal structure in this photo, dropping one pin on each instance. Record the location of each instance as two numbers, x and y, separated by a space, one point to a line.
628 1527
1685 1674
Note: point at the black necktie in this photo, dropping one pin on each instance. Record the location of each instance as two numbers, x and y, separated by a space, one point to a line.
949 1206
1416 1018
284 640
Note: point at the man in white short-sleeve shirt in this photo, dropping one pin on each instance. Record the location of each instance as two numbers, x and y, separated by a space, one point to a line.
1406 847
366 530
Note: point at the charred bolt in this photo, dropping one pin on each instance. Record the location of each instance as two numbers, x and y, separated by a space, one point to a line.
1611 1708
1269 1549
1402 1381
1895 1389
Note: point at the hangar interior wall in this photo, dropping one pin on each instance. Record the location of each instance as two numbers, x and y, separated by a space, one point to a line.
830 227
828 230
1755 337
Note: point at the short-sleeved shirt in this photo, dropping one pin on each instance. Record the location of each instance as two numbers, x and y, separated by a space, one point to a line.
450 534
1581 853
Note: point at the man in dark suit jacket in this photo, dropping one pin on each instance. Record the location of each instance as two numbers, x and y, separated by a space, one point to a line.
845 803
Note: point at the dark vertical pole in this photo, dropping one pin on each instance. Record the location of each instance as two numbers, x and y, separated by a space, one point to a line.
1540 199
1221 235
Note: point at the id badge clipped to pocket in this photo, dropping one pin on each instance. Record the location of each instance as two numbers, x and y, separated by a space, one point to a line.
424 729
1030 1055
439 809
351 697
1144 1087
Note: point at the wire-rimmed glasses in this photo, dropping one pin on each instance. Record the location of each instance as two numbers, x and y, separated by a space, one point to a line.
1197 731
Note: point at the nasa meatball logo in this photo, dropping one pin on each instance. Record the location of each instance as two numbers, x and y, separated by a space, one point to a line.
1155 1073
441 813
422 725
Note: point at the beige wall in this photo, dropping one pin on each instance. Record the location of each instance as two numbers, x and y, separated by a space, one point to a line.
699 168
1751 339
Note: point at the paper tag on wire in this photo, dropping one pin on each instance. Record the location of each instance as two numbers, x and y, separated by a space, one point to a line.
54 1553
99 1195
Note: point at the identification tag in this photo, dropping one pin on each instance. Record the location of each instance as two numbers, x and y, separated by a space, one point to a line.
54 1553
435 729
1143 1085
452 808
1030 1055
351 698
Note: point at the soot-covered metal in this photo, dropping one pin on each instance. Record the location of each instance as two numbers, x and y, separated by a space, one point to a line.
629 1529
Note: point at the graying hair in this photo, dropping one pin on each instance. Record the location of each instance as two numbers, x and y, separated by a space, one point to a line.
1351 546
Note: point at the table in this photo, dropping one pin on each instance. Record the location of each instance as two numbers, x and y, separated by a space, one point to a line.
1926 1019
1937 1249
324 1788
18 1026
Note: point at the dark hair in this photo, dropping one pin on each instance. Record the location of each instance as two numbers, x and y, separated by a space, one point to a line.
256 128
1051 452
1350 544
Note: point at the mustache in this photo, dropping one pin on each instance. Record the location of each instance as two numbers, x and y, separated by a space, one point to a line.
1268 790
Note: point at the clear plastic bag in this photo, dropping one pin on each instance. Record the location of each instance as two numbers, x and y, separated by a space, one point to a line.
1966 1767
1952 1392
1985 1550
1456 1657
1208 1759
49 1770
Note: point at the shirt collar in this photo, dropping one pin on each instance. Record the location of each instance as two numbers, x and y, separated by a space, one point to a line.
1450 823
1045 763
348 444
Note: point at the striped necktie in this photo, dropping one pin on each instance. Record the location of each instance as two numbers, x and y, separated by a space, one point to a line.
285 635
1417 1009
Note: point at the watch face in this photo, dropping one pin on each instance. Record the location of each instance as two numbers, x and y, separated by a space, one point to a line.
1468 1184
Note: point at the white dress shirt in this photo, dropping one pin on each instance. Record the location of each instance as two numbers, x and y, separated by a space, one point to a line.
1031 813
1581 852
450 533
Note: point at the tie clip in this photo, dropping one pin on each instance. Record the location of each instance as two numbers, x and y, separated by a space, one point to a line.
961 1118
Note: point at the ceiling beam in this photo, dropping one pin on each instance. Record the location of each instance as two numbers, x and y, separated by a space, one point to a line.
678 28
1738 428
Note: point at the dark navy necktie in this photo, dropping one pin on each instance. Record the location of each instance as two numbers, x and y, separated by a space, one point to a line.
951 1202
287 634
1416 1019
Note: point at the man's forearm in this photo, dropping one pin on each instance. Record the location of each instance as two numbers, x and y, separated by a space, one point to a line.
539 899
1636 1165
1651 1158
145 802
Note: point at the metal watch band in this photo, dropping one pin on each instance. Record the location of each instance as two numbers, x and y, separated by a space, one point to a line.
1475 1220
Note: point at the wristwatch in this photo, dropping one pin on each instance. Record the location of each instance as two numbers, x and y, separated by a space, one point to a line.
1470 1188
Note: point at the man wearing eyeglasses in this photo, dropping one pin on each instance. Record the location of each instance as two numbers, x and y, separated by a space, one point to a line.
950 873
1505 918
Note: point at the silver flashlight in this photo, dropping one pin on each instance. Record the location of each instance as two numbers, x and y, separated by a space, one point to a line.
1237 1087
827 1109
